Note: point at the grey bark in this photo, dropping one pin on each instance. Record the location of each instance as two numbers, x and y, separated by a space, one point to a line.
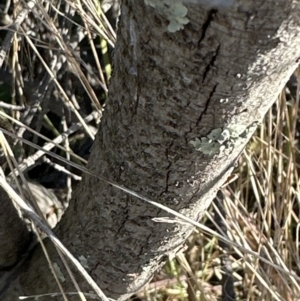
225 68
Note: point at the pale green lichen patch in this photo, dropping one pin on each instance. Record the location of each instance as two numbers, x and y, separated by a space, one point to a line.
207 146
222 140
83 261
173 10
58 272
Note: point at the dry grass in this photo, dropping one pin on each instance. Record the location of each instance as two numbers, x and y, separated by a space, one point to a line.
261 203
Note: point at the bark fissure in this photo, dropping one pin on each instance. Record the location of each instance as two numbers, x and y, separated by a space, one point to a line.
211 64
207 103
124 219
210 16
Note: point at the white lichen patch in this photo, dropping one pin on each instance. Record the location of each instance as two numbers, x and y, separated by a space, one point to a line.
173 10
224 100
222 140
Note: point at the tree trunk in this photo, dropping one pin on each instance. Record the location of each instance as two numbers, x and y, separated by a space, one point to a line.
181 108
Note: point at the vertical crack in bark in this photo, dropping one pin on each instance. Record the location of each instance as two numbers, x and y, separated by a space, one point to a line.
167 182
125 219
95 267
168 169
201 115
210 17
211 63
167 179
207 104
142 251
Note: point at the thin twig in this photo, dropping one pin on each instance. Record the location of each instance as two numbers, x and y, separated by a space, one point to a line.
228 293
7 42
54 143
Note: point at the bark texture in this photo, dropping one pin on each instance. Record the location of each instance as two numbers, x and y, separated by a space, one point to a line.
222 71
